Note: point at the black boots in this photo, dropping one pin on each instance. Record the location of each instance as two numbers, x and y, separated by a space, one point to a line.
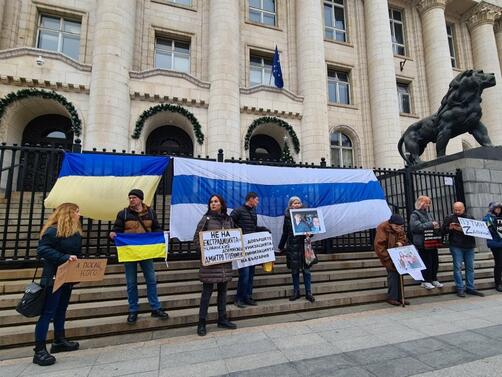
294 296
42 357
61 344
309 297
201 327
224 323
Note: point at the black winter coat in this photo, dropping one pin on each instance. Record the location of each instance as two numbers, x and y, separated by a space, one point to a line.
245 218
458 238
54 251
295 246
420 221
216 273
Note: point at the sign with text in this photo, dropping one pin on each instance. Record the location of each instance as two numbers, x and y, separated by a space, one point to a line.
258 248
407 261
80 270
433 239
474 228
221 246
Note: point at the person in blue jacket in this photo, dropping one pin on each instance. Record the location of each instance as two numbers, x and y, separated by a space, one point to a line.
493 220
60 241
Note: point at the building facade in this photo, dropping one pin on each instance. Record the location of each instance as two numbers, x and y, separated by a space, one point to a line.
193 76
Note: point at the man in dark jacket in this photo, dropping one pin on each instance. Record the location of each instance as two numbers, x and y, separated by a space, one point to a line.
245 218
139 218
462 250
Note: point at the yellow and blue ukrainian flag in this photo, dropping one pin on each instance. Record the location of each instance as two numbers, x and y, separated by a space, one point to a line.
132 247
99 183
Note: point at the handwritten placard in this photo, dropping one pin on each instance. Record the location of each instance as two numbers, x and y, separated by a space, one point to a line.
221 246
258 248
80 270
474 228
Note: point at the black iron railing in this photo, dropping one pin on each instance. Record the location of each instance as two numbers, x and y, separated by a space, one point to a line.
27 174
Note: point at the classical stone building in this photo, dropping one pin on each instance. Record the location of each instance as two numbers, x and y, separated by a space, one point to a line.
193 76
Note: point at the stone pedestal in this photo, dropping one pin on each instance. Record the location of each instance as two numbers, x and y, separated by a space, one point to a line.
482 175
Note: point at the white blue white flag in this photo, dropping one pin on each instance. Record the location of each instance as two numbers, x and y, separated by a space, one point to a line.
350 200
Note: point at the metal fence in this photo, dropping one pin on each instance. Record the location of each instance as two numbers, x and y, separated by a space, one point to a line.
27 174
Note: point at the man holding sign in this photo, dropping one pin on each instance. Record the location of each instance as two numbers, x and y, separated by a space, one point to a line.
462 250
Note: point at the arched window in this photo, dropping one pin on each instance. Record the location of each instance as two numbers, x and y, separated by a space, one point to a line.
342 152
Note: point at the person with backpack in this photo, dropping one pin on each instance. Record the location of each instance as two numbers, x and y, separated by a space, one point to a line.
139 218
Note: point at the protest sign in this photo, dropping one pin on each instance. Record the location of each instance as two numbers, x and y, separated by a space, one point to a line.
221 246
80 270
407 261
307 220
433 239
474 228
258 248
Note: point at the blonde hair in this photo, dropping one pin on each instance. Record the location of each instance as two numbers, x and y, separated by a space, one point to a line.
420 199
63 218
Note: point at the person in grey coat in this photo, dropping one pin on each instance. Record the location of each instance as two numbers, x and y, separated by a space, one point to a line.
420 221
216 218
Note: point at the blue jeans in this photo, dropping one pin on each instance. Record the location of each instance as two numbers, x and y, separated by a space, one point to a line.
467 256
245 284
307 280
54 309
131 272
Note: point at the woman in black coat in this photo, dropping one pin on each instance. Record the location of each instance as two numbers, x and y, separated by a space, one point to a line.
295 253
60 241
216 218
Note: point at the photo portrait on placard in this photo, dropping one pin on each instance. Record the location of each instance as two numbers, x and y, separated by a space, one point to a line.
307 220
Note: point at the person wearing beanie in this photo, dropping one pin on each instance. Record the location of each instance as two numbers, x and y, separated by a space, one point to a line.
390 234
139 218
493 220
462 251
295 253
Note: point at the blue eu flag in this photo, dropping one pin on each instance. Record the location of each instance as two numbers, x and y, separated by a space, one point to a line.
276 70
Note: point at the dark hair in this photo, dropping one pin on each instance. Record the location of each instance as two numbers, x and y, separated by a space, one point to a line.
251 195
222 201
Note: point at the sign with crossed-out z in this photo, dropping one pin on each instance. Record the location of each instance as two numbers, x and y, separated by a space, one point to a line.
474 228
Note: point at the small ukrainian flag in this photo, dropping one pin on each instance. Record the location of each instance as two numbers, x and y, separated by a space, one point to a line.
132 247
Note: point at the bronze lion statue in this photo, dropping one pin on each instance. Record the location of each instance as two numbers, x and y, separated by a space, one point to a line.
459 112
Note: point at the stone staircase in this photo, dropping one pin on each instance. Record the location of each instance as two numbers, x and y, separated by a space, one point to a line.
99 309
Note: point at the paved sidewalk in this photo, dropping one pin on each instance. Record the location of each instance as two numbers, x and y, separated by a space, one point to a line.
461 337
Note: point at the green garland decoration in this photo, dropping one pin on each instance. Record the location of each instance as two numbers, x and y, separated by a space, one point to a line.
280 123
171 108
76 124
286 155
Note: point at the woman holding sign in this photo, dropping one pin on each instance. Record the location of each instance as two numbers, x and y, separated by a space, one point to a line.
60 241
295 253
493 220
216 218
421 222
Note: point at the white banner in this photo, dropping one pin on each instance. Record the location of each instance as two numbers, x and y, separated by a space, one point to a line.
258 248
407 261
221 246
474 228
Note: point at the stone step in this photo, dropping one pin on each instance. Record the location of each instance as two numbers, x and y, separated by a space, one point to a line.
15 336
192 273
9 317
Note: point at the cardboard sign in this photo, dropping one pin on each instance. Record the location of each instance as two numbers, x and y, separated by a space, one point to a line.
433 239
80 270
307 220
221 246
258 248
474 228
407 261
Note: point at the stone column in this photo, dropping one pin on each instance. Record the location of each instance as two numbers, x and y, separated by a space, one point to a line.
438 67
2 6
312 80
382 85
498 39
223 128
484 53
112 57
